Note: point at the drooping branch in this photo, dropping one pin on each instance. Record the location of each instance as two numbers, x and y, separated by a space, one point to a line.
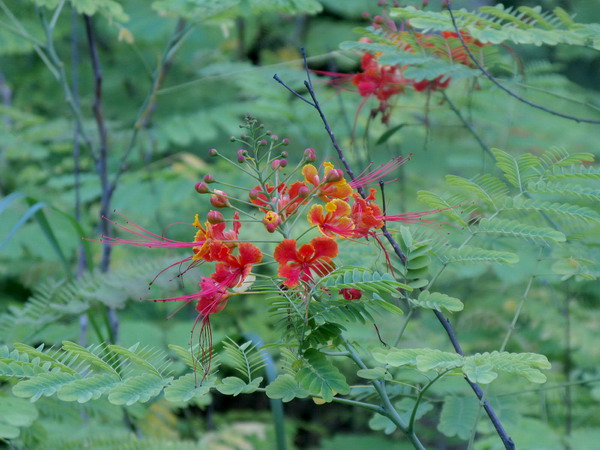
490 77
506 440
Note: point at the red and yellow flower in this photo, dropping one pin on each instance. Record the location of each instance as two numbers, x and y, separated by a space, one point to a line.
333 220
299 265
332 185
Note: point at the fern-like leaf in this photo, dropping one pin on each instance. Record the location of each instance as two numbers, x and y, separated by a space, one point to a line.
514 228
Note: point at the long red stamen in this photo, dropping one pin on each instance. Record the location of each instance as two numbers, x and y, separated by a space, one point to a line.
380 172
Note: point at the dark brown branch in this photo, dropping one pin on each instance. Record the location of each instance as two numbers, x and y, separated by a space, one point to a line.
507 441
102 163
490 77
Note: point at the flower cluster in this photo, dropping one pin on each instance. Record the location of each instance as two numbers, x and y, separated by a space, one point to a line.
306 197
387 81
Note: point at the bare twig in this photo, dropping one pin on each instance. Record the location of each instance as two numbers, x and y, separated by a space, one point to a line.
507 441
490 77
102 162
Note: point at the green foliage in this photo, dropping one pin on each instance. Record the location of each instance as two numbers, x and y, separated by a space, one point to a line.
320 377
286 388
245 358
437 301
497 24
481 368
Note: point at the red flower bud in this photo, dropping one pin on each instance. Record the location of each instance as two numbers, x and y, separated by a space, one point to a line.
213 152
274 137
286 141
241 152
215 217
310 155
262 142
303 192
275 164
351 293
208 178
202 188
219 199
283 163
271 221
241 159
253 194
334 175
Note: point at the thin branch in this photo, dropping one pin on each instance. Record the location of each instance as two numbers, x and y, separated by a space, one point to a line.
102 163
490 77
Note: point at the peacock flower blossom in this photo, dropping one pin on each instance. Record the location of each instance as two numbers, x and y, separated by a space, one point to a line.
212 298
232 271
211 232
351 293
366 214
368 178
271 221
335 222
299 265
327 190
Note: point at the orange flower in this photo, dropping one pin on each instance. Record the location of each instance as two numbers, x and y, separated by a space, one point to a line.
298 265
336 221
214 232
332 185
366 214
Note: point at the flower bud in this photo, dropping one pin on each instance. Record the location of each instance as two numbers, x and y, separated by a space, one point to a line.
334 175
274 137
366 15
284 154
208 178
253 194
271 221
381 3
283 163
219 199
262 142
232 138
241 159
215 217
310 155
275 164
243 136
351 293
202 188
286 141
242 152
213 152
303 192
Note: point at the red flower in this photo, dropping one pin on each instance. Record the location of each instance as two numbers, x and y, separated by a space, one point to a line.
336 221
231 271
215 233
298 265
212 298
366 214
375 79
327 190
351 293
